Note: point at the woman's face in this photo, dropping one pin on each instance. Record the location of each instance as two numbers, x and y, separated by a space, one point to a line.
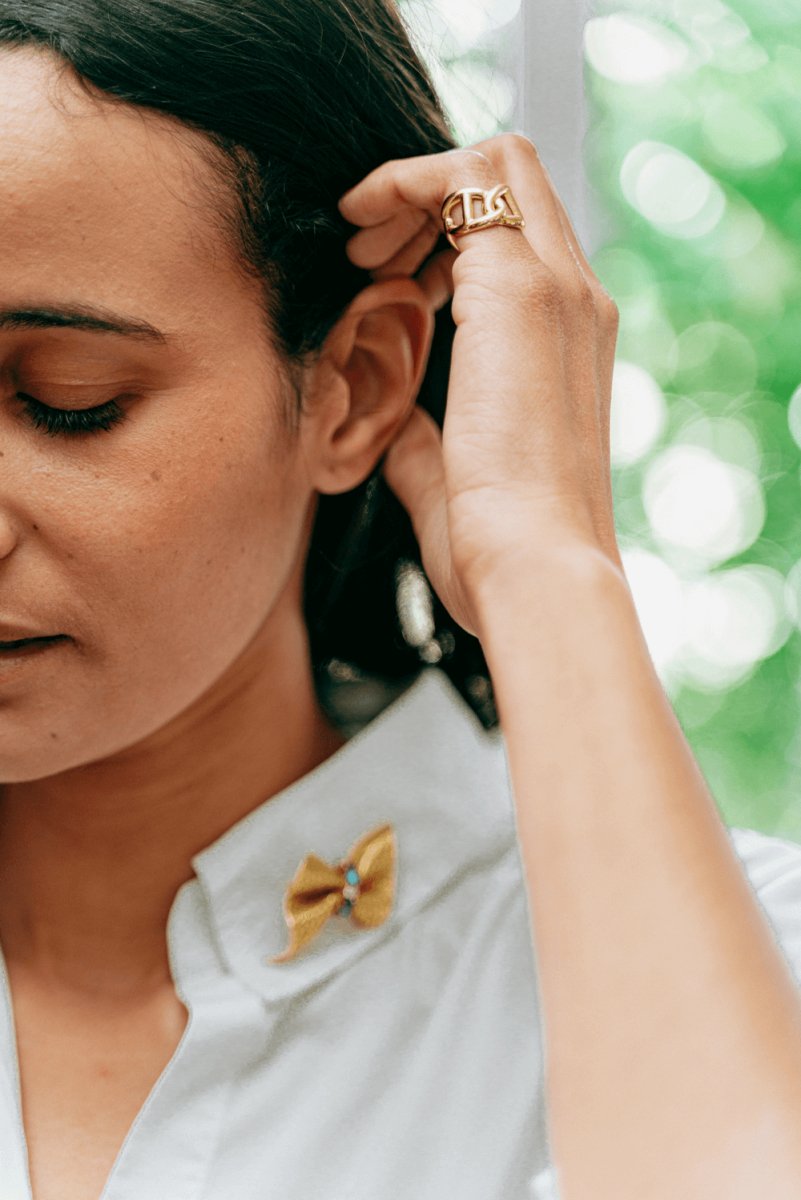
162 544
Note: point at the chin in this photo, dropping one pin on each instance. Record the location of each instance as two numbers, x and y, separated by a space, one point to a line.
30 759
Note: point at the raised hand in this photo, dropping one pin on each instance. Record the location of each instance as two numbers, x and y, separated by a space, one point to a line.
521 466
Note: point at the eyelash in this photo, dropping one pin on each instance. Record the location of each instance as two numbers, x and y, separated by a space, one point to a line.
67 422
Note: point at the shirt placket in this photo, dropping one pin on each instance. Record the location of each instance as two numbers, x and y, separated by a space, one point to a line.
172 1142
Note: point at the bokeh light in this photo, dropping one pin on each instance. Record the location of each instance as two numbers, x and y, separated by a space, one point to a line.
758 142
700 508
465 44
628 48
694 155
734 619
670 190
638 412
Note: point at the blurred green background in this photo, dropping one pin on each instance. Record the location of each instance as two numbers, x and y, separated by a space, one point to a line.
693 155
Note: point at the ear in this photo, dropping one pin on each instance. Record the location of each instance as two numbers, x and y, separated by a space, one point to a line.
364 383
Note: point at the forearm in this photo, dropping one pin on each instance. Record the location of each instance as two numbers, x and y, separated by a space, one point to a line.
672 1022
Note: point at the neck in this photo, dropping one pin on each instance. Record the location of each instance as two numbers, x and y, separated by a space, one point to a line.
91 859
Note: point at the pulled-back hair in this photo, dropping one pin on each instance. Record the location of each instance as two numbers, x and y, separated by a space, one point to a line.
299 100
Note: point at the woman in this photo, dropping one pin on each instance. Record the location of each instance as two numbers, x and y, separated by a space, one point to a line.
223 386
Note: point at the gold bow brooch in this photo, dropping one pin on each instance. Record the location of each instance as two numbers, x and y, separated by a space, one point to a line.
361 885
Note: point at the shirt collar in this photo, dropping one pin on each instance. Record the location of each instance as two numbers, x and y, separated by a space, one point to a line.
426 765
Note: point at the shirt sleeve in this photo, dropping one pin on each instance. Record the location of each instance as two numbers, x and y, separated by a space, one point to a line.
773 868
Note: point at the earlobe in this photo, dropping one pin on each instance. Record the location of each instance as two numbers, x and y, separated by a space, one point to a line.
375 360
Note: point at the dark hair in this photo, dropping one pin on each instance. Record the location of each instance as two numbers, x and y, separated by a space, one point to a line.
300 99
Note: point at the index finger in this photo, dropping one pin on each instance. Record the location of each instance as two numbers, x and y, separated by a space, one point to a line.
413 181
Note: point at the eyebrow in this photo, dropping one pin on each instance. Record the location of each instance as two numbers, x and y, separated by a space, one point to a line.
80 316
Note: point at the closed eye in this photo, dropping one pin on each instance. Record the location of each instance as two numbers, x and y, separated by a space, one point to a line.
68 422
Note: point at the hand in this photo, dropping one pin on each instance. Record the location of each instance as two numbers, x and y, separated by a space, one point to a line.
521 466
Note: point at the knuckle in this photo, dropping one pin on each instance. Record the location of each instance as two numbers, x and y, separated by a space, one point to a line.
583 298
542 285
606 307
546 279
516 142
473 160
558 294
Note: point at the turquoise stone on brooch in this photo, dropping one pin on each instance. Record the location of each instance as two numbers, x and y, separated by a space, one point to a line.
350 891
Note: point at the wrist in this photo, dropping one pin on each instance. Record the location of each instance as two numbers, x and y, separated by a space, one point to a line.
533 587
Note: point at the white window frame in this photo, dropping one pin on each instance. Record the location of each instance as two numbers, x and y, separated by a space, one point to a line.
552 108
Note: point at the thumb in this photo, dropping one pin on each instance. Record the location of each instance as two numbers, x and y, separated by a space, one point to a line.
413 467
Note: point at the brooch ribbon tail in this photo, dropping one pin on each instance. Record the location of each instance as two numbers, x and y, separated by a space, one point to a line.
313 896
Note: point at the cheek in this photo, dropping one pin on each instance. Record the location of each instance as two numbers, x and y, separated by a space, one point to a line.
210 536
170 567
211 540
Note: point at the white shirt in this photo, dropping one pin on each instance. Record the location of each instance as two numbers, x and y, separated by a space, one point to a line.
402 1062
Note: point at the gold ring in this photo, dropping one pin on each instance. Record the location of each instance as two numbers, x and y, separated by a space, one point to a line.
492 211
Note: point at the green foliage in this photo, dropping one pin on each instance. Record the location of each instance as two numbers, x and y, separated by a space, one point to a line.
694 154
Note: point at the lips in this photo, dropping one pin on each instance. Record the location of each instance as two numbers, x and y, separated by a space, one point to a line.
30 641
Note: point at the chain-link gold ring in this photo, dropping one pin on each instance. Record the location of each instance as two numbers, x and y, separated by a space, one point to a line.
492 211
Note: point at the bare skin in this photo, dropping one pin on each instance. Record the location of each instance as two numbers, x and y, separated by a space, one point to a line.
170 549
